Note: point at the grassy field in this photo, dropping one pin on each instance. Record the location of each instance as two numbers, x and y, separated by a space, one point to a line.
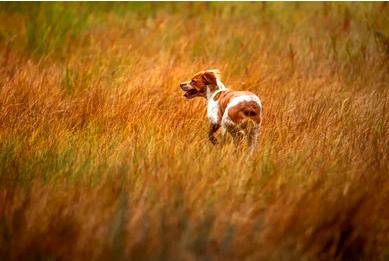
102 158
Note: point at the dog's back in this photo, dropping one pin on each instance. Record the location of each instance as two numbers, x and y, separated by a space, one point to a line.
236 106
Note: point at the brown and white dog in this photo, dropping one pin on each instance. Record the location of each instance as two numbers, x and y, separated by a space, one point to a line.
236 112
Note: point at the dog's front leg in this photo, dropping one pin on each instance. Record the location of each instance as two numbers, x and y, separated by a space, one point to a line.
212 129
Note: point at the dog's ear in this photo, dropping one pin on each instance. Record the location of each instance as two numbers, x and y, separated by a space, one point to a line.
210 76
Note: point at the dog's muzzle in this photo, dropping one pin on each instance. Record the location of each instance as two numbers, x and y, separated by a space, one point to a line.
190 92
185 86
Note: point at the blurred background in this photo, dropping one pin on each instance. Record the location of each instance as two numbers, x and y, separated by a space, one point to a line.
101 157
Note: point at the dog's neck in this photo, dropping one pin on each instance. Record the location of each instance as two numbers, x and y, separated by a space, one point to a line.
219 87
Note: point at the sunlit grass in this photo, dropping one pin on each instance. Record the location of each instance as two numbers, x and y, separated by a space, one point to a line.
101 157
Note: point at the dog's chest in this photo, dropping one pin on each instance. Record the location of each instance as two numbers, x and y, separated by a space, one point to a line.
213 111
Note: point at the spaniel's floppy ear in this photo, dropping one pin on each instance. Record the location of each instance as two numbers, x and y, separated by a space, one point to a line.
210 76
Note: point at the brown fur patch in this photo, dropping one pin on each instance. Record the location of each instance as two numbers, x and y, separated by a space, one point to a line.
217 95
245 110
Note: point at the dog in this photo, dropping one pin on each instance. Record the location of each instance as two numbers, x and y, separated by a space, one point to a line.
236 112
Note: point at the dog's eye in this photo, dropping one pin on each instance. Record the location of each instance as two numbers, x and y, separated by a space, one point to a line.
192 81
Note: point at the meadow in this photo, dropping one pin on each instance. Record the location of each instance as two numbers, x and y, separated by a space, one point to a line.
102 158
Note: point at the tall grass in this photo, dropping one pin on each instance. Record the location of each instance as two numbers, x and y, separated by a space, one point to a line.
101 158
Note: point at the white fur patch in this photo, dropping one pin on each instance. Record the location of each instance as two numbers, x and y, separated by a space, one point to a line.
220 84
243 98
213 106
213 110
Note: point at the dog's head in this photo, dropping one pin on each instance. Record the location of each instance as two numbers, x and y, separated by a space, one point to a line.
200 83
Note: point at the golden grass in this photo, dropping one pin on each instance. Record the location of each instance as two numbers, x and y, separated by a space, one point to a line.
103 159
